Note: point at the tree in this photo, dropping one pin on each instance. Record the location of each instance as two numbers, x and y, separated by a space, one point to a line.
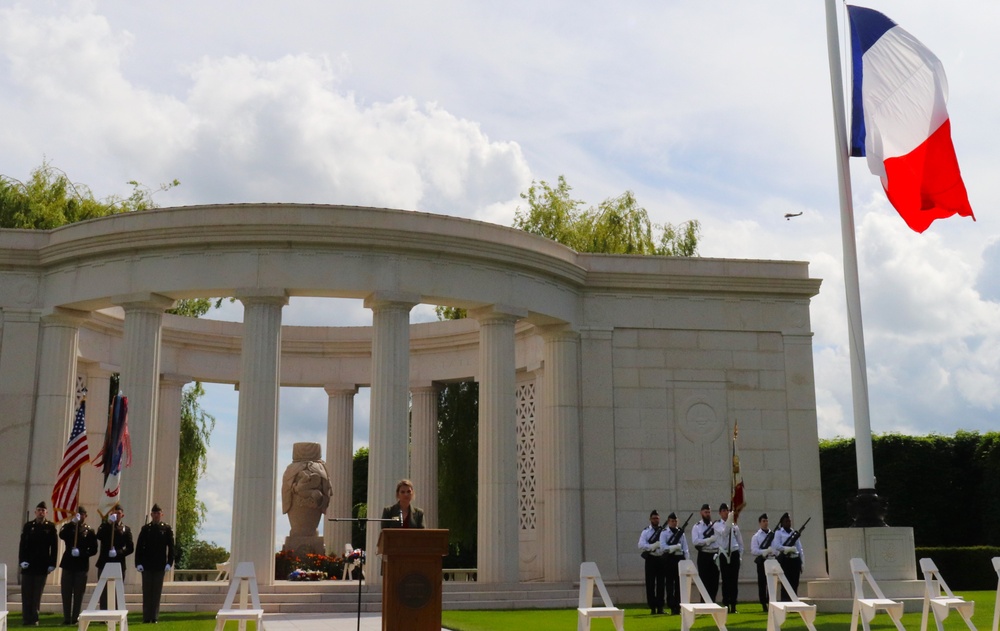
196 429
618 225
359 495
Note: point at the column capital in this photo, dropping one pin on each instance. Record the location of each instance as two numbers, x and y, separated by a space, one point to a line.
424 386
173 379
498 312
61 316
399 299
143 301
262 295
20 315
335 389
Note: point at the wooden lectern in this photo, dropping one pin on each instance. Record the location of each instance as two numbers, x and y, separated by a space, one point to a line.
411 578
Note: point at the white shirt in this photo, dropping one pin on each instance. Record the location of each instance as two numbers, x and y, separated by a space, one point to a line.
665 537
730 539
644 543
700 535
757 541
780 537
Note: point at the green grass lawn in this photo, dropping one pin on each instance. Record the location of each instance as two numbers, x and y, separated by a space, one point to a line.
204 620
637 618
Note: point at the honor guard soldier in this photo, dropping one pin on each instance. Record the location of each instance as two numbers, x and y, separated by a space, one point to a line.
37 556
81 544
116 544
704 537
788 548
675 548
730 542
651 551
760 548
154 556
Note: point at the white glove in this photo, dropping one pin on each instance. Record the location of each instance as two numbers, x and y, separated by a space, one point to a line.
167 568
654 546
139 567
24 565
710 540
112 518
52 568
76 518
75 552
674 548
112 553
789 550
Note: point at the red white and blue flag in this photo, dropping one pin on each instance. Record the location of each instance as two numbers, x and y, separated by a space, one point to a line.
116 454
66 493
900 122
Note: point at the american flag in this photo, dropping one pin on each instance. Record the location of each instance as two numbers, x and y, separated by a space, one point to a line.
116 453
66 494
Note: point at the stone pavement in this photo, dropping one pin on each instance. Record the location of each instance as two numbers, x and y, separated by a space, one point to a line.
322 622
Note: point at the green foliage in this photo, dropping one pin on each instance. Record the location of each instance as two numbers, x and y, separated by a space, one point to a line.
963 568
458 468
196 429
202 555
359 495
618 225
49 199
924 479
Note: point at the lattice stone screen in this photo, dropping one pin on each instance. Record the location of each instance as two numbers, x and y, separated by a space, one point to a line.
526 478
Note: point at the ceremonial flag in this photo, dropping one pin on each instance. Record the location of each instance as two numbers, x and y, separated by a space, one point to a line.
738 502
66 493
115 454
900 122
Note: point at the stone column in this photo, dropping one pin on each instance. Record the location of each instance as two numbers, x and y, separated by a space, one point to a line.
560 455
498 519
168 442
388 429
140 382
424 450
254 493
54 404
339 464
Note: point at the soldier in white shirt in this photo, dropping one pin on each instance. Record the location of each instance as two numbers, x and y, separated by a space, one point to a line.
651 551
730 542
675 548
760 548
704 537
789 556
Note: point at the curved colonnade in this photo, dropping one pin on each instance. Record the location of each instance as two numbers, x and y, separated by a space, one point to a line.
607 383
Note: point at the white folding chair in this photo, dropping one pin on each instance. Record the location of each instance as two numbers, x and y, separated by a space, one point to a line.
111 578
996 605
938 604
350 565
3 597
590 576
688 572
866 608
777 610
244 580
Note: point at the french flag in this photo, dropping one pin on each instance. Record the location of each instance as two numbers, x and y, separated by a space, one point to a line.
899 120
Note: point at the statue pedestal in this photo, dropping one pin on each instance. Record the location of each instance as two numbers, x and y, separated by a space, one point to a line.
890 555
301 545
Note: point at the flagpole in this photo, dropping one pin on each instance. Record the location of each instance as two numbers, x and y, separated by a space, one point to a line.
867 508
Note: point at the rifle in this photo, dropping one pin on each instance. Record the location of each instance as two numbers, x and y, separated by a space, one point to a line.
676 537
793 539
764 545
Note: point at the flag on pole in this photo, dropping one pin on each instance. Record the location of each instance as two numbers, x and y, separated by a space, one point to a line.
738 501
115 454
900 122
66 493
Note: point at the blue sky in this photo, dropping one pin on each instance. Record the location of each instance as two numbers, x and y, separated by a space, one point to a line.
712 111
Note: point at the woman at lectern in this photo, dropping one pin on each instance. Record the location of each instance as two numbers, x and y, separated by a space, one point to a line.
403 512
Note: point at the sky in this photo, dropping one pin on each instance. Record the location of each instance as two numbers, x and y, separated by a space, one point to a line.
715 111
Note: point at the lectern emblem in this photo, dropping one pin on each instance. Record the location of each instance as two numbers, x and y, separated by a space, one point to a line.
415 590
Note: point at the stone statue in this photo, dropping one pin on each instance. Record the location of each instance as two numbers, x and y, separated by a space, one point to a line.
305 495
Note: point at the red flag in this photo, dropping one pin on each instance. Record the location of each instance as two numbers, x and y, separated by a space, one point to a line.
738 502
66 493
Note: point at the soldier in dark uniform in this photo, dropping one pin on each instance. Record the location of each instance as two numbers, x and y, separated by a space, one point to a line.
154 555
116 544
81 544
37 556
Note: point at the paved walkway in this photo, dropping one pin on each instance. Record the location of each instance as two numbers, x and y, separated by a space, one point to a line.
322 622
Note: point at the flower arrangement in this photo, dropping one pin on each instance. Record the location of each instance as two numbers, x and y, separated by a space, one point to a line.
307 575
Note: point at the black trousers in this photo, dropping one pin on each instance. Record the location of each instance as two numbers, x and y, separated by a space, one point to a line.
761 583
73 583
708 572
792 567
673 582
730 572
654 583
152 589
32 586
